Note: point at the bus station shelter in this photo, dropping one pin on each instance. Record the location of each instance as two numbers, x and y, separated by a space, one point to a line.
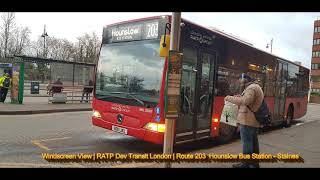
32 75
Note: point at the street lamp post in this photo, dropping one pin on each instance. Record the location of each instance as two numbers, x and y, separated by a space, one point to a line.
270 45
44 35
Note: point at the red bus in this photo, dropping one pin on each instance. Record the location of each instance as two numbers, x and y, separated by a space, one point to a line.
130 81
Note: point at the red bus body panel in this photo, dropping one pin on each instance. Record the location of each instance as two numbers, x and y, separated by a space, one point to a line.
299 106
216 112
135 118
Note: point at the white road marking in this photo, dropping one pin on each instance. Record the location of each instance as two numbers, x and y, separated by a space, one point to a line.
37 143
53 139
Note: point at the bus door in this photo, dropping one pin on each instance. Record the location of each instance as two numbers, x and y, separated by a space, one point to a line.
280 91
196 95
205 94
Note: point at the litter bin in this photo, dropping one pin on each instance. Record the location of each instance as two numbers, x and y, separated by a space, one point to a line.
35 86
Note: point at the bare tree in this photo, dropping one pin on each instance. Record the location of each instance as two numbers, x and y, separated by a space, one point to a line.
7 26
53 47
19 41
36 49
61 49
88 48
67 50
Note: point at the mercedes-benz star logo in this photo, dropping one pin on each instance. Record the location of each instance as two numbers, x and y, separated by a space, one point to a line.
120 118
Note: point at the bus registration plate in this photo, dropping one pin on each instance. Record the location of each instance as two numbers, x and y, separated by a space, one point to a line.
119 130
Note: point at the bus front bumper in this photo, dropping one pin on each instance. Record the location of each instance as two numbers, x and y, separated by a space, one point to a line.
140 133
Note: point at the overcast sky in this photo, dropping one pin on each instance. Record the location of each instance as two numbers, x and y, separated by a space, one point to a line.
292 33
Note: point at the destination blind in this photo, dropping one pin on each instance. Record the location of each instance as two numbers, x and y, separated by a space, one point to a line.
132 32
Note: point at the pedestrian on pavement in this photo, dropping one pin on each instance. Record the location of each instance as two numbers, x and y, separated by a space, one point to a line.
5 84
57 86
49 87
250 100
87 90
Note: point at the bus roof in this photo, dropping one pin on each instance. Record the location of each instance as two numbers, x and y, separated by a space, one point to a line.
215 30
139 19
242 42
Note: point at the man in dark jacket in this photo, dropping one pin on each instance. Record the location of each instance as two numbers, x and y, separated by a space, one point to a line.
57 86
87 90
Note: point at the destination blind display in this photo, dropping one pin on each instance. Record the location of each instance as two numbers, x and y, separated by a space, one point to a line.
133 31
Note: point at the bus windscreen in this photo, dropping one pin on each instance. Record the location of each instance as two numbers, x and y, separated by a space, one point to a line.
130 73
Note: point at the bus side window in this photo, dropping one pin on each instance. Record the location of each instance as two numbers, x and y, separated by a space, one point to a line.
269 83
228 82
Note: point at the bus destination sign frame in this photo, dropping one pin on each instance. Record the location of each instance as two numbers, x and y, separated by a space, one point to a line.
143 30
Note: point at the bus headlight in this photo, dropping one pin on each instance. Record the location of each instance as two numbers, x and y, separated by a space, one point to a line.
96 114
155 127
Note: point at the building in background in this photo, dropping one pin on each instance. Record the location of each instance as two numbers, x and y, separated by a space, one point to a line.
315 64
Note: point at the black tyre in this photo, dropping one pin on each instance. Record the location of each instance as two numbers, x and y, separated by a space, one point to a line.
288 120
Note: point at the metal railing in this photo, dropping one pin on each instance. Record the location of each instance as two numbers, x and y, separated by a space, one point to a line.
72 93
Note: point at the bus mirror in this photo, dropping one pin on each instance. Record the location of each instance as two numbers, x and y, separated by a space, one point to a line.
164 45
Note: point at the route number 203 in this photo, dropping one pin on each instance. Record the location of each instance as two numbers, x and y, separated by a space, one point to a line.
200 156
152 30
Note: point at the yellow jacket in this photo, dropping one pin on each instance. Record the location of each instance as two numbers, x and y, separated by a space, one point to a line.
2 80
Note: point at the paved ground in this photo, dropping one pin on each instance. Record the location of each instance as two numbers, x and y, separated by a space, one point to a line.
59 133
24 138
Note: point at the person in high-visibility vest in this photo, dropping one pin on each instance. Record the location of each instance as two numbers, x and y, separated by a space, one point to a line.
5 84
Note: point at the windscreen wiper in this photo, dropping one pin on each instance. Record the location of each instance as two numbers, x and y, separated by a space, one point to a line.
135 98
130 95
102 97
